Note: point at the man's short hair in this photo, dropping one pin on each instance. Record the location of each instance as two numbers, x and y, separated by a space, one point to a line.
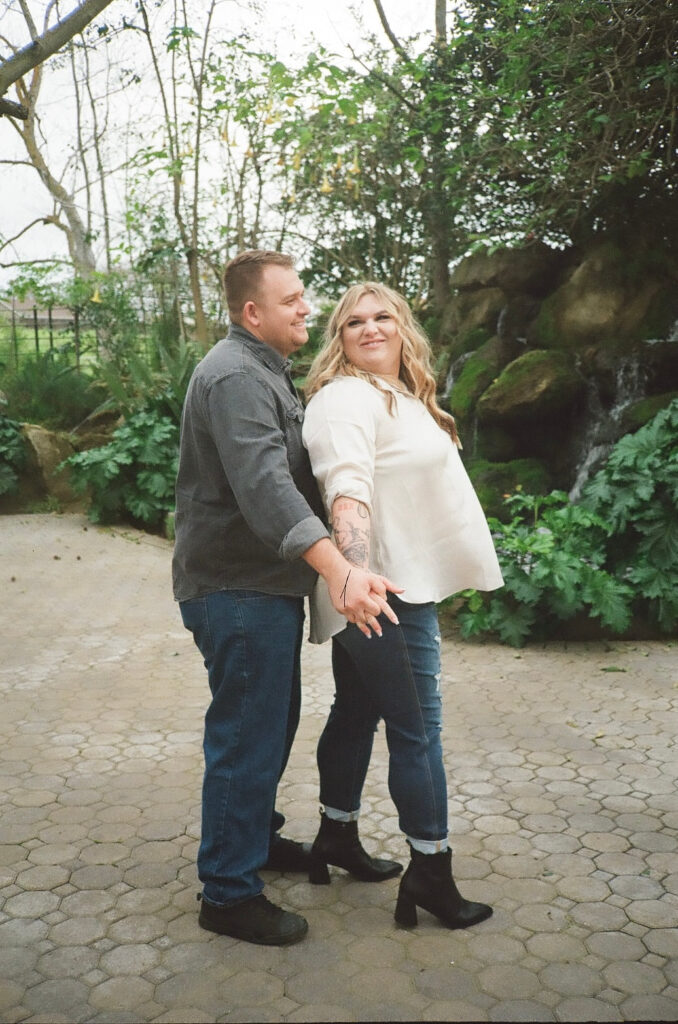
242 277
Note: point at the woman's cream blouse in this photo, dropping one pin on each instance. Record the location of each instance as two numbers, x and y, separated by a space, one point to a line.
428 531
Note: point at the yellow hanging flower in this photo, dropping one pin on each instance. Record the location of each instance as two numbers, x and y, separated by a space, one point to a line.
325 188
96 297
296 162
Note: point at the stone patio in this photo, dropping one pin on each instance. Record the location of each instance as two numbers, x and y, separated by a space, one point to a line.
564 811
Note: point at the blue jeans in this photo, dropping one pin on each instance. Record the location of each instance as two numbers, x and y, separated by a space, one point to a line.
251 645
397 678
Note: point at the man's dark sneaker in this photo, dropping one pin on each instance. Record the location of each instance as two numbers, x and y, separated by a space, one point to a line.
256 920
288 855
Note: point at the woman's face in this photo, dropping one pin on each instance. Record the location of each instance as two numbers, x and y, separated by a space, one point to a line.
370 338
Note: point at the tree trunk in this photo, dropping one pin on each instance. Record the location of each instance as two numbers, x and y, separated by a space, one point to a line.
77 235
441 21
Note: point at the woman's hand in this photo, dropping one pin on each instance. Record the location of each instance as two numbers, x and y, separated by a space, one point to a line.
361 597
355 591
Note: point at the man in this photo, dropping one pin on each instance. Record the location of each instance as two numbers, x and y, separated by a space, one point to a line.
250 539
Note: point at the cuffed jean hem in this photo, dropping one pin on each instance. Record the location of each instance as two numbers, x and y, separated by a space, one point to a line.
427 845
336 815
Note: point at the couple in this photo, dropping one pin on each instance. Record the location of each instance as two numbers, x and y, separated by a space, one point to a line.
251 542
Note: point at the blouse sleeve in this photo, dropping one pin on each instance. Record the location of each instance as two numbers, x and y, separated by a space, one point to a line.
340 433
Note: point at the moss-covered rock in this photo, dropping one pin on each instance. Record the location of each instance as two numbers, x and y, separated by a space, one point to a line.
641 412
476 375
539 385
606 299
532 269
471 319
494 480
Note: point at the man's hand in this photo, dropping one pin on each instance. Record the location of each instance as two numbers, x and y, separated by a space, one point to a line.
361 597
357 593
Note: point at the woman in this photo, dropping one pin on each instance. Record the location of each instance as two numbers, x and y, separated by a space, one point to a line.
387 462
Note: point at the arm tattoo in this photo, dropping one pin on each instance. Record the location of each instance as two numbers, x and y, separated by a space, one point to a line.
353 539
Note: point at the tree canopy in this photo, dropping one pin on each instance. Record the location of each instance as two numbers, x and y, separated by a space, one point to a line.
504 121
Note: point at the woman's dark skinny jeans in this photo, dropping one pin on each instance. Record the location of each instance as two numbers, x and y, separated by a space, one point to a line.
395 677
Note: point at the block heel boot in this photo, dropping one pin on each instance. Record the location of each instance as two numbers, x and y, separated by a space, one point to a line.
338 843
428 883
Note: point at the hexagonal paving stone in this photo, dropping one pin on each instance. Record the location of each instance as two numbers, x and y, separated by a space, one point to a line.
634 978
121 994
571 979
506 981
654 913
615 946
581 1008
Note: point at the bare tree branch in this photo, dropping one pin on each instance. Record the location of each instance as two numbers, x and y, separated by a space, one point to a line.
12 109
44 46
29 263
384 79
4 242
17 163
29 20
397 45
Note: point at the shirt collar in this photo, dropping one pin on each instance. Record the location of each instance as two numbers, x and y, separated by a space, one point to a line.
265 353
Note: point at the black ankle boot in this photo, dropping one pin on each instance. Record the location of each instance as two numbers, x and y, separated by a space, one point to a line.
428 883
337 843
256 920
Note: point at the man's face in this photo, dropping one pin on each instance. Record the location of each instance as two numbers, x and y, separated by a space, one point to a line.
278 315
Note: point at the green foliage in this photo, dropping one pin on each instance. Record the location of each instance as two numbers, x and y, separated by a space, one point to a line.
12 454
133 476
637 492
135 383
49 390
552 555
613 556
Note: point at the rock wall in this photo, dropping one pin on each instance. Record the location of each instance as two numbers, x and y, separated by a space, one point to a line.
554 355
41 482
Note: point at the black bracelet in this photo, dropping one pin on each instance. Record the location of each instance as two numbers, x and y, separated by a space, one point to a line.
342 595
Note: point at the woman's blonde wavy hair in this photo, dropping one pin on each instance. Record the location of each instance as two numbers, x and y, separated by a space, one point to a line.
415 361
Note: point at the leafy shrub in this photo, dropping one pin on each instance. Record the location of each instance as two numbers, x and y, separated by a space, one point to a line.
552 555
134 384
12 454
612 556
132 477
51 391
637 492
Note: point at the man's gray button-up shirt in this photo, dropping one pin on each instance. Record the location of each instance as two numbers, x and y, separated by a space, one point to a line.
247 505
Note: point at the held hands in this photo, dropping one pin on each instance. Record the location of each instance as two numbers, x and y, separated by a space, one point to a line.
362 598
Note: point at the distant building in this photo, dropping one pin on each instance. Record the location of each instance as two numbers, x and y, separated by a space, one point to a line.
25 310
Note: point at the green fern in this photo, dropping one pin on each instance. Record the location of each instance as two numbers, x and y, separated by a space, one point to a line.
613 556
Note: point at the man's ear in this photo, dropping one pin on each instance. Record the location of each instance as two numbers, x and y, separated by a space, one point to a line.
250 313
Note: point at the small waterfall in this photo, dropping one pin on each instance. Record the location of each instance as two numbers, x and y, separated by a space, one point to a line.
453 373
604 424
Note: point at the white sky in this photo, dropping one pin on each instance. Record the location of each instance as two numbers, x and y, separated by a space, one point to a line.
291 27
